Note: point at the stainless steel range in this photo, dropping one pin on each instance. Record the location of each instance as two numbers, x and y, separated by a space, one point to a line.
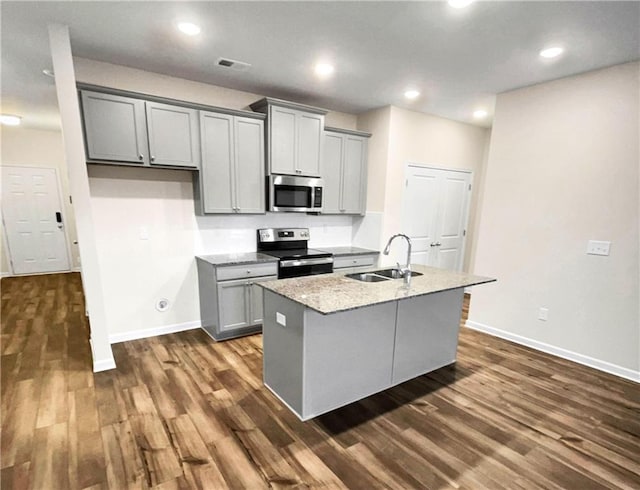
290 246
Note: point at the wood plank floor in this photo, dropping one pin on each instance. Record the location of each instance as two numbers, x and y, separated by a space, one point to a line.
182 411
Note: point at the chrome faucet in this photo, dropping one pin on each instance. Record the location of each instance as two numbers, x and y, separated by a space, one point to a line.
405 271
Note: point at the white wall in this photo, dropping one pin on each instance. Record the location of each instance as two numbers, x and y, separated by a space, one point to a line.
403 136
136 272
37 148
563 169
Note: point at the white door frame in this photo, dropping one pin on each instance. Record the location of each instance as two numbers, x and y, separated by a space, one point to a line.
5 242
448 169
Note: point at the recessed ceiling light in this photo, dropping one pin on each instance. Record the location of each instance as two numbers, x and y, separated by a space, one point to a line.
49 72
189 29
411 94
10 120
480 114
460 4
324 69
551 52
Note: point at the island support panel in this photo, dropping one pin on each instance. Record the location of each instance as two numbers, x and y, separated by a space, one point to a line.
427 329
317 363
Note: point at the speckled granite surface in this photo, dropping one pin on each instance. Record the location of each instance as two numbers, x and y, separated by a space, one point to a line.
332 293
237 259
346 251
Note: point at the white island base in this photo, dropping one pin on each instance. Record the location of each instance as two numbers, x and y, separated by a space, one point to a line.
319 362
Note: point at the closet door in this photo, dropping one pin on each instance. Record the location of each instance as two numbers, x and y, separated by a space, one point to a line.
435 214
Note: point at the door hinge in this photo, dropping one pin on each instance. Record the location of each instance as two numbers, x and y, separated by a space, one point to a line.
406 182
464 232
70 200
469 186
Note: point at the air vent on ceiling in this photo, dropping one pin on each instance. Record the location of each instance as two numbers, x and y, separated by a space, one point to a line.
233 64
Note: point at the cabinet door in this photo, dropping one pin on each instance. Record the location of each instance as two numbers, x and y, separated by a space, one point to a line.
309 142
217 162
173 135
233 305
332 173
256 315
114 128
355 153
282 127
249 165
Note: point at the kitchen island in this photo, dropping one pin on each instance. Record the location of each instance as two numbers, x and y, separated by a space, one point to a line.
330 340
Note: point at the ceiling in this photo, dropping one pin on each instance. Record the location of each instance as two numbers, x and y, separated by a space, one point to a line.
458 59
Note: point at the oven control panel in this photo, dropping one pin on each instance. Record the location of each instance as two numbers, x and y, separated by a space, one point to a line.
282 234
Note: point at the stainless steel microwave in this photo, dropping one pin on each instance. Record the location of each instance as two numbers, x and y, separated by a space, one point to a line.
293 193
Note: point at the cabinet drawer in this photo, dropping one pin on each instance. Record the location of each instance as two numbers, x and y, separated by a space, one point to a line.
353 261
247 270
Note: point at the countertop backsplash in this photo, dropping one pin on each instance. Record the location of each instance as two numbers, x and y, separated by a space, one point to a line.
237 234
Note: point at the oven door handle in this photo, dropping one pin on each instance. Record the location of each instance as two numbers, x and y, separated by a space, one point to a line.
301 262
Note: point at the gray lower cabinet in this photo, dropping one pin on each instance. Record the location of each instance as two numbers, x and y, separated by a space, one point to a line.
345 171
231 179
127 130
230 300
354 263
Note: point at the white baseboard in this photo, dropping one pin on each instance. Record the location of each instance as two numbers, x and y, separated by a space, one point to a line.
5 274
76 269
598 364
104 365
152 332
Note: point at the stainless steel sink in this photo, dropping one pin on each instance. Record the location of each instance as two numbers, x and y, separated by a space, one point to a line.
394 273
367 277
381 275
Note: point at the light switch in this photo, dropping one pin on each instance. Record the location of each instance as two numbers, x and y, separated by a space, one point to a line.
281 319
595 247
543 314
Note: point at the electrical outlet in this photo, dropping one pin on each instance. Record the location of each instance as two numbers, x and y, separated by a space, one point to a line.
595 247
543 314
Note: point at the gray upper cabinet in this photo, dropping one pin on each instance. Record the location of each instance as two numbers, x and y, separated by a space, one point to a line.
345 171
294 137
173 135
115 128
332 172
128 130
232 168
249 165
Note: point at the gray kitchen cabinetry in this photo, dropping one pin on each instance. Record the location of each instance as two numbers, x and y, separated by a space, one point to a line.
230 300
354 263
294 137
173 135
126 130
231 179
114 128
345 171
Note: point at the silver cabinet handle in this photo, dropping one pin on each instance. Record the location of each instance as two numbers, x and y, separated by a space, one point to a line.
436 244
141 157
152 158
248 271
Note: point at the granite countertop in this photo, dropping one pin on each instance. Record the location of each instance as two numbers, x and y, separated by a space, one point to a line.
237 259
345 251
332 293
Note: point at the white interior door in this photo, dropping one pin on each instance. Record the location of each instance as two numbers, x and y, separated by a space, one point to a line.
33 221
435 213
